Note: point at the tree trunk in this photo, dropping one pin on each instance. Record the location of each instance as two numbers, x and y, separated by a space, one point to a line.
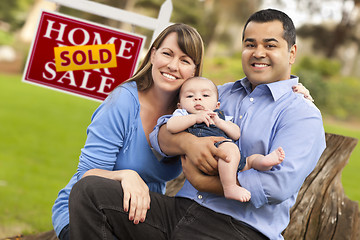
322 211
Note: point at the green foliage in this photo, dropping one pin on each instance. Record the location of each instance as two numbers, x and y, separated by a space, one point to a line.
14 12
6 38
223 69
334 94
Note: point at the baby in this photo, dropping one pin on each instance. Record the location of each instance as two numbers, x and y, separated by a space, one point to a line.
198 113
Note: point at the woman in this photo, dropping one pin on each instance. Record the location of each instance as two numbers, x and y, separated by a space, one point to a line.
117 145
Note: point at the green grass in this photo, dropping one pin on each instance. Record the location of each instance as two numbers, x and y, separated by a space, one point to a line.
41 134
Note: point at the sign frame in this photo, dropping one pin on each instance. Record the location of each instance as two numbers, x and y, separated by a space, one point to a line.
27 78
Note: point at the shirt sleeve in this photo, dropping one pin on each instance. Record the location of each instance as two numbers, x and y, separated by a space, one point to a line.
180 112
107 131
301 135
155 133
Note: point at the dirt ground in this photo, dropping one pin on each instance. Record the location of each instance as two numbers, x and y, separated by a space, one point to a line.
15 67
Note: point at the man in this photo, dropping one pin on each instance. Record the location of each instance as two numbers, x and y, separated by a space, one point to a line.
270 115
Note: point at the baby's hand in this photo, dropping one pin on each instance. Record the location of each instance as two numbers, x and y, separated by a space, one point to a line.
214 117
204 117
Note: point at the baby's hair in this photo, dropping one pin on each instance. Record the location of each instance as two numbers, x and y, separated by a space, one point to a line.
200 78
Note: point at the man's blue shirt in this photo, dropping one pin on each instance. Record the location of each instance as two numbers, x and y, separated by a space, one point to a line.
270 116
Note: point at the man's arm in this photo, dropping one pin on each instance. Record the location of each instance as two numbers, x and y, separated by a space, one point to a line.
200 181
302 153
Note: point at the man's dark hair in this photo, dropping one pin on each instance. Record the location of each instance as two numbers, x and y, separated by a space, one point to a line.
269 15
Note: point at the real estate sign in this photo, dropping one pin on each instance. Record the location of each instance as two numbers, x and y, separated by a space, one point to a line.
80 57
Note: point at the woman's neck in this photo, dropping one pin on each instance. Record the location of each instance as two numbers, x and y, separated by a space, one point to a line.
159 103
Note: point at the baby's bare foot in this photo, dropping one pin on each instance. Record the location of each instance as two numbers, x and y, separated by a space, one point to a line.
237 193
274 158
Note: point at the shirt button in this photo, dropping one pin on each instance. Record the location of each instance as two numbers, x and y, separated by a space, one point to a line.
200 196
241 116
251 99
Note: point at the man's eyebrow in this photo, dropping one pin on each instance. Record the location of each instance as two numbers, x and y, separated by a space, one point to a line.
270 40
249 40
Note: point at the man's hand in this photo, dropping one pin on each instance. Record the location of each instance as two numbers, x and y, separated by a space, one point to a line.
203 154
200 181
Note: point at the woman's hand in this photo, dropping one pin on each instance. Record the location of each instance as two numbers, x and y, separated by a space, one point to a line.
136 192
303 90
136 195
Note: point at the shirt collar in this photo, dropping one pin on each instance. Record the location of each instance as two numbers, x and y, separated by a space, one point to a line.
242 84
280 88
277 89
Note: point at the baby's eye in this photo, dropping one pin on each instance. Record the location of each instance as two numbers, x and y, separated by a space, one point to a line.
206 95
189 96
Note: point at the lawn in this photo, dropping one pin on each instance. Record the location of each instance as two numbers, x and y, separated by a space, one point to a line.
41 134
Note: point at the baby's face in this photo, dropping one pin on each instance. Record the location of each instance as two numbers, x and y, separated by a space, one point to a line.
198 94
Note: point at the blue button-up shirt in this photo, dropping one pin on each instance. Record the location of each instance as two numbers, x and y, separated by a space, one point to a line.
270 116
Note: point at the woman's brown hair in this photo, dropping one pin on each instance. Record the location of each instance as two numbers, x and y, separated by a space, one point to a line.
189 41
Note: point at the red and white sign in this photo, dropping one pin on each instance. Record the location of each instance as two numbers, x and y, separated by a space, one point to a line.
78 57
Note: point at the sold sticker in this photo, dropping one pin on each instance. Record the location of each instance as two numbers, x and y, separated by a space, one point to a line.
70 58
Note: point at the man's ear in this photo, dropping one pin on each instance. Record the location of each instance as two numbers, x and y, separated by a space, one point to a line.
293 50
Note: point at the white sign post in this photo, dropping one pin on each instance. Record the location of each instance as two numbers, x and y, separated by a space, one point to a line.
155 24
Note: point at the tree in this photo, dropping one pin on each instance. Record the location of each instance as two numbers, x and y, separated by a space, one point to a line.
14 12
328 39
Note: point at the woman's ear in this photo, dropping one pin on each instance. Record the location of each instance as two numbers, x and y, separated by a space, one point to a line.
153 51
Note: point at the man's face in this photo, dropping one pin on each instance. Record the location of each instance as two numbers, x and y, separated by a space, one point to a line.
266 57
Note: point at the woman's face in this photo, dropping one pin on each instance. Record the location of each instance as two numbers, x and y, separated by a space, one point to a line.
170 65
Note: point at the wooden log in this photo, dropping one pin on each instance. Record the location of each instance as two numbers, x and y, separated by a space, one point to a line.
322 211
